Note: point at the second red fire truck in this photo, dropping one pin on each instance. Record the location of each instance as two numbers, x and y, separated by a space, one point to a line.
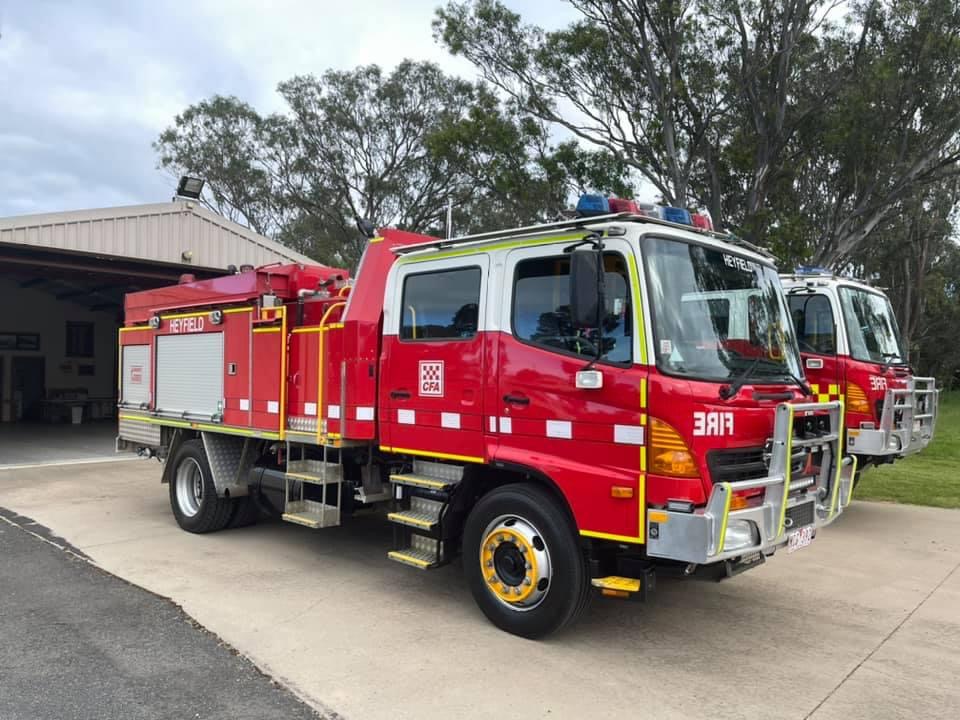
851 348
570 408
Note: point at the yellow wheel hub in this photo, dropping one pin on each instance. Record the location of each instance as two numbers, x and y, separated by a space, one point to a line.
509 565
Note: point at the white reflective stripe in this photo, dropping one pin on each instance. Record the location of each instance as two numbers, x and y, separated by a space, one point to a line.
364 413
309 408
628 434
493 424
244 404
450 420
273 407
505 425
406 417
333 412
560 429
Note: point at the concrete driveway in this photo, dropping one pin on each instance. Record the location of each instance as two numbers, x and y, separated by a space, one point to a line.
863 624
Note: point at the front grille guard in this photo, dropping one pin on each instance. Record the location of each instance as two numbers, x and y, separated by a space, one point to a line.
909 417
701 537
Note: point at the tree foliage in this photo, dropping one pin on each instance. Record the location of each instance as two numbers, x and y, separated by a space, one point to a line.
394 148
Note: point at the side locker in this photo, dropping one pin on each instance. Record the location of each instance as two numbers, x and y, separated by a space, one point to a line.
267 401
135 386
238 358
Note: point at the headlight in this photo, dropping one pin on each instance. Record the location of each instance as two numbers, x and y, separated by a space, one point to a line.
740 534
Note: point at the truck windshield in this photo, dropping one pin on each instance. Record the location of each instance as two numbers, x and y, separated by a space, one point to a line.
718 315
871 326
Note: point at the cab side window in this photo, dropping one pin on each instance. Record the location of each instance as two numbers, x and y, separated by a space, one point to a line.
813 321
441 305
541 309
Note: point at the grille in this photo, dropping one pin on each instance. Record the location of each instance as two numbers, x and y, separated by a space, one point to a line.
800 515
738 464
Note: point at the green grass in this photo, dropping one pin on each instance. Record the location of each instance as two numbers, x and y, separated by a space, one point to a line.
932 477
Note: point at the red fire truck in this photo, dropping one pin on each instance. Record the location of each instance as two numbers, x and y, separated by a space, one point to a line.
569 407
851 349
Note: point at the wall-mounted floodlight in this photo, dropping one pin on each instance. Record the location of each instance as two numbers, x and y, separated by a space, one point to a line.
190 187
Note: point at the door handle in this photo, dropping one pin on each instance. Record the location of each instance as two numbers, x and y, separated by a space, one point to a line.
400 394
516 399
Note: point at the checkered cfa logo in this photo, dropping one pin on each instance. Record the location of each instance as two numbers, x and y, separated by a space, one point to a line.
431 377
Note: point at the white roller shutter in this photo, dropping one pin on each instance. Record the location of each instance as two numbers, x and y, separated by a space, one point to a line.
190 374
135 380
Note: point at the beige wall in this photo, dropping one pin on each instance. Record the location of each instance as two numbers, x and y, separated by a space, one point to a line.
34 311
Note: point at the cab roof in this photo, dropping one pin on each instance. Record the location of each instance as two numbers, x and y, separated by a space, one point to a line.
720 241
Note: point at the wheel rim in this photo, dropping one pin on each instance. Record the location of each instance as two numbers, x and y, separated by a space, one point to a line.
189 482
515 562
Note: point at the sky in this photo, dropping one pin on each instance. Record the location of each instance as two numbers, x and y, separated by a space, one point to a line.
87 85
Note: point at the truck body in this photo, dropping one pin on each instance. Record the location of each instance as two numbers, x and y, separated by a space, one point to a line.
562 405
851 348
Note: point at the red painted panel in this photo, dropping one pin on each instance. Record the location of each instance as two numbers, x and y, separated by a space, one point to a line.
237 349
266 380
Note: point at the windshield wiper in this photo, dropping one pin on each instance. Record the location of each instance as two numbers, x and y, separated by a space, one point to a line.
888 360
728 391
800 383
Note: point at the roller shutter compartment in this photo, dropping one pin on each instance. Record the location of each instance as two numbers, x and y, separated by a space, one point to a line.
190 374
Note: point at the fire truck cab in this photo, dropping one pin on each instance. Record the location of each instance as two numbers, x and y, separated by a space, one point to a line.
851 348
572 408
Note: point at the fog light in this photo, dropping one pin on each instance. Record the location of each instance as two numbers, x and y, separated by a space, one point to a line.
740 534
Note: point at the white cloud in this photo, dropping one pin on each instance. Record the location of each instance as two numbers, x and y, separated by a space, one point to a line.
85 88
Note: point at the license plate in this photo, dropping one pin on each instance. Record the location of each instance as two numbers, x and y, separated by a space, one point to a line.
799 539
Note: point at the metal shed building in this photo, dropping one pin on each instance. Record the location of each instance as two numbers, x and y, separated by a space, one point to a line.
62 281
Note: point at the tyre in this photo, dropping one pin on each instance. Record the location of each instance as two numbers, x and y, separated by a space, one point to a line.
523 561
193 496
245 512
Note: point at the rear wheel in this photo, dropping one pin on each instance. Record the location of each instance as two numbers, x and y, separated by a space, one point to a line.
193 496
522 560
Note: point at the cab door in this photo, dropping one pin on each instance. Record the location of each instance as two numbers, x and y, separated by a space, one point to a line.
813 320
431 393
589 442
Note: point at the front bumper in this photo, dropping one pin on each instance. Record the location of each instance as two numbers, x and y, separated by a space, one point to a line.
716 533
906 422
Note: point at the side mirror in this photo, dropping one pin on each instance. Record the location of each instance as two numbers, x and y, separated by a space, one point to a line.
584 288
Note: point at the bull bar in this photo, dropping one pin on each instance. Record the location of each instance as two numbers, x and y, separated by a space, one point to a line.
907 422
704 535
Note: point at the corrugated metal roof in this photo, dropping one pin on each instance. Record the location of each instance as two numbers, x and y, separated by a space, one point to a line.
159 232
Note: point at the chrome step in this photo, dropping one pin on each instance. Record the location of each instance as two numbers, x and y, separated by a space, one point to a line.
312 514
423 553
423 514
315 472
423 481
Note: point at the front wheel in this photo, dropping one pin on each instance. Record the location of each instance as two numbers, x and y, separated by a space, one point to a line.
522 561
193 496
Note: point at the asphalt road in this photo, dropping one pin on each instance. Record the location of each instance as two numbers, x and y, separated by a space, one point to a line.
80 643
865 623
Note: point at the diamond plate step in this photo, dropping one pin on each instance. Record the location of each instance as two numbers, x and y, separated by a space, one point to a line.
423 481
423 514
312 514
422 553
315 472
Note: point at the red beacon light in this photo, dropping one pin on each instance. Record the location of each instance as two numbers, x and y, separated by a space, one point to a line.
621 205
701 219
